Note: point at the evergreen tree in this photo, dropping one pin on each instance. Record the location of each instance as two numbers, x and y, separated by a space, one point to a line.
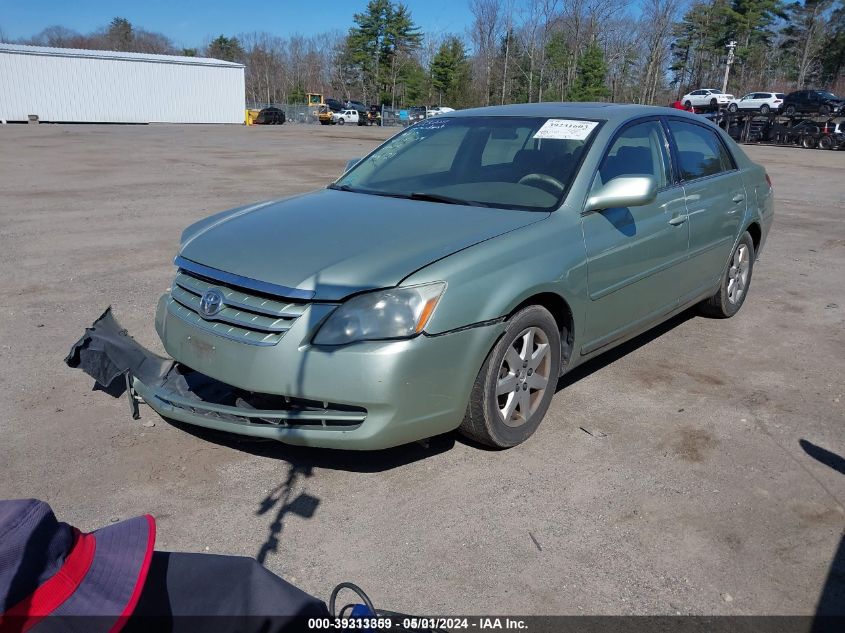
698 49
450 72
590 77
226 48
558 58
749 23
119 34
381 47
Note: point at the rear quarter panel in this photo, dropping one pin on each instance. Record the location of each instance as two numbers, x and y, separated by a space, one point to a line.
759 194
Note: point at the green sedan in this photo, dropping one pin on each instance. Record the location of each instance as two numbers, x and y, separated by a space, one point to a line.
449 279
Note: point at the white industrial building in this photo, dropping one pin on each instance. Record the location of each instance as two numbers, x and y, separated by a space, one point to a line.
82 86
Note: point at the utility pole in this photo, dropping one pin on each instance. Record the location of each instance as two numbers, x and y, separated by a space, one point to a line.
730 46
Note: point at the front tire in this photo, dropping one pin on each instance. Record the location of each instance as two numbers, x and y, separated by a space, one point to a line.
516 383
790 110
824 110
733 108
765 109
825 142
735 282
687 104
341 121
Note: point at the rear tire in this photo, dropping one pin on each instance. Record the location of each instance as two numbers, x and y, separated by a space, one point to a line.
825 142
824 110
517 381
808 142
736 281
790 110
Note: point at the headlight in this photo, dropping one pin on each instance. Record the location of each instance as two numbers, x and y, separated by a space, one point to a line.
385 314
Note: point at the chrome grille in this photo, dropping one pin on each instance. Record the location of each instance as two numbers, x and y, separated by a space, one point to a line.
246 316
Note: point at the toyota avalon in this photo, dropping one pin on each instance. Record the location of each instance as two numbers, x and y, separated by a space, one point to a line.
448 279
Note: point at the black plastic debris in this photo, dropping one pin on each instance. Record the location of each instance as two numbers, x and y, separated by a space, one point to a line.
111 357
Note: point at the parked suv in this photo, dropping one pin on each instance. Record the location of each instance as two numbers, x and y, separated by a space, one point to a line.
270 116
762 102
813 102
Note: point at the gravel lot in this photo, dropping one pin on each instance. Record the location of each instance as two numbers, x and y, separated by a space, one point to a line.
686 472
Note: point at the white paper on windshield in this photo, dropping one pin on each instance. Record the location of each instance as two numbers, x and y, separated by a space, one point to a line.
566 129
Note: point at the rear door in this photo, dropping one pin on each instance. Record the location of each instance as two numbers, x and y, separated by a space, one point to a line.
634 254
756 100
715 201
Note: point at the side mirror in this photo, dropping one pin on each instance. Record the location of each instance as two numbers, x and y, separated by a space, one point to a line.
351 163
624 191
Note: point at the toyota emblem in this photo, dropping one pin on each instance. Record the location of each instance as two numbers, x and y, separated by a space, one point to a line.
211 303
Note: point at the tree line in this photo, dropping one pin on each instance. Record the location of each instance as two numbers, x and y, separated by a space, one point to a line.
525 51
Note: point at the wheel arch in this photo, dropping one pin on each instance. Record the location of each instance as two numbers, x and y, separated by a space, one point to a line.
756 232
563 315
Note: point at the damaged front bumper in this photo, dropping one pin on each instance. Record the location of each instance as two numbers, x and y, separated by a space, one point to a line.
366 396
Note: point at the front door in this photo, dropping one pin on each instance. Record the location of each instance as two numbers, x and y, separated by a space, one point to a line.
634 254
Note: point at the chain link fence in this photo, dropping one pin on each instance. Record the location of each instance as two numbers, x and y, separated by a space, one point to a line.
305 114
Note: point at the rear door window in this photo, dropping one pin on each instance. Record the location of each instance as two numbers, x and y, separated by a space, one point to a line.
700 151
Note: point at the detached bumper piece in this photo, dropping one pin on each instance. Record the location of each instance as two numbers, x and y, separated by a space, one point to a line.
118 363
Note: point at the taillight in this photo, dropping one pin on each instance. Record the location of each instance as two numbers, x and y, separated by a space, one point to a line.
769 181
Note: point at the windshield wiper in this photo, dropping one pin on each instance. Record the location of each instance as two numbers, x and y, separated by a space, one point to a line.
426 197
436 197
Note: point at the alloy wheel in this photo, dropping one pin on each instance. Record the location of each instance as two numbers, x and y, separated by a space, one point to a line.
523 376
738 274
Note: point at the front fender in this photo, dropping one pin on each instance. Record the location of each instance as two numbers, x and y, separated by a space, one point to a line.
488 280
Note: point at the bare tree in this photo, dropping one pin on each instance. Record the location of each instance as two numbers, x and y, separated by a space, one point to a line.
57 36
485 28
658 16
811 22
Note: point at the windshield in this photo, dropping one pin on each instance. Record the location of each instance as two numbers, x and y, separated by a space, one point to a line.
826 95
507 162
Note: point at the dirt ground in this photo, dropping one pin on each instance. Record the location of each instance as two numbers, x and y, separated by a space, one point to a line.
698 469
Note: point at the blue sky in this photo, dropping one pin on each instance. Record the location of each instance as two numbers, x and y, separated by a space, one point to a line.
191 22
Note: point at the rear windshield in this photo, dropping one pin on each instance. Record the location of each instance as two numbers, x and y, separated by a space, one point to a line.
507 162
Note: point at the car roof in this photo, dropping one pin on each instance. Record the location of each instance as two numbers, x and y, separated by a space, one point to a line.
611 112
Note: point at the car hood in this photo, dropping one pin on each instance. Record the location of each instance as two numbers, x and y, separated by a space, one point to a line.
335 243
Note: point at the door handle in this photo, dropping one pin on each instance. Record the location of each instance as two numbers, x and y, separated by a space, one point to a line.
738 198
678 220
